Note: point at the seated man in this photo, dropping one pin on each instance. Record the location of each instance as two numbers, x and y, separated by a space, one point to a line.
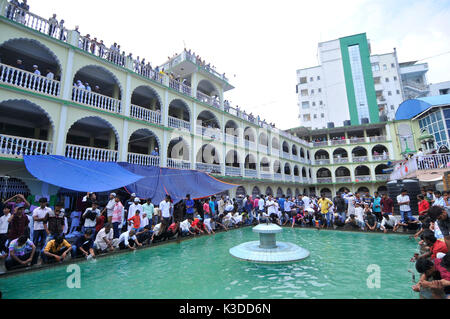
433 246
83 247
371 222
22 253
173 230
429 273
218 220
145 234
352 222
186 228
389 222
104 241
199 227
410 224
56 250
297 219
129 240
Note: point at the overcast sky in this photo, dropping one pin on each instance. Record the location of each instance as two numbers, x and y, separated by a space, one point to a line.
260 44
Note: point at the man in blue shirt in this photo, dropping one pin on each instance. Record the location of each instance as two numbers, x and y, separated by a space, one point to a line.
212 206
376 209
281 203
189 207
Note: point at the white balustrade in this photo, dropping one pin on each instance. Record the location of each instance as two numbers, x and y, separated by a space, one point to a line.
378 139
324 161
266 175
263 148
338 142
28 80
143 159
250 145
179 124
437 161
86 153
357 140
232 171
340 160
380 157
343 179
96 100
142 113
35 22
251 172
318 144
231 139
382 177
208 168
17 146
363 178
112 55
360 159
324 180
178 163
208 99
278 176
209 132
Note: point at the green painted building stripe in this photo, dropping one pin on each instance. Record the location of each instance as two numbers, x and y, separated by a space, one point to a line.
361 40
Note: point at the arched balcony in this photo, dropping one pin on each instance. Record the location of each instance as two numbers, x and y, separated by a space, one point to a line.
324 176
285 148
380 153
263 143
143 148
289 193
255 192
362 174
250 138
146 105
340 156
327 192
232 164
18 58
179 115
279 192
208 126
178 154
207 93
25 129
269 191
297 174
250 166
208 160
264 168
97 87
322 157
232 132
92 139
359 154
287 172
343 175
295 152
275 146
380 174
277 170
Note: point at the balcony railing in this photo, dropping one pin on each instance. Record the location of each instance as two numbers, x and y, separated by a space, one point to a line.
344 179
338 142
112 55
437 161
318 144
297 179
322 161
363 178
142 113
28 80
263 148
208 168
250 144
96 100
275 152
357 140
278 177
208 100
378 139
266 175
339 160
34 22
233 171
380 157
148 72
324 180
179 124
143 160
231 139
17 146
382 177
208 132
286 155
178 163
360 159
251 172
85 153
180 87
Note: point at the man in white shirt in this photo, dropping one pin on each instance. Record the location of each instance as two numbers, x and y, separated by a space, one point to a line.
307 201
36 70
403 201
186 227
272 208
4 228
133 208
91 215
39 227
50 75
261 205
389 222
165 206
129 240
359 215
109 208
438 199
105 239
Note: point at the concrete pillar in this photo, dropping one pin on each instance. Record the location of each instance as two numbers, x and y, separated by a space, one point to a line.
194 84
165 109
126 98
164 151
123 145
112 140
60 137
3 4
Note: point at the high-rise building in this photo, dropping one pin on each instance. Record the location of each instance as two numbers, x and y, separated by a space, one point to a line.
352 87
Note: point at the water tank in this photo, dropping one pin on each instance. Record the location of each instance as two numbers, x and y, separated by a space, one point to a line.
330 125
413 188
364 120
383 118
348 123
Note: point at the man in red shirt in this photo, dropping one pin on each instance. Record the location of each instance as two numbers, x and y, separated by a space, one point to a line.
387 205
424 205
435 246
198 226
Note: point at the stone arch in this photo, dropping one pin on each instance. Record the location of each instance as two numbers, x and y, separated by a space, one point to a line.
100 119
98 75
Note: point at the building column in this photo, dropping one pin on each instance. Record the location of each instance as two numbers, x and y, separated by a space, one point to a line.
165 109
126 98
163 153
123 146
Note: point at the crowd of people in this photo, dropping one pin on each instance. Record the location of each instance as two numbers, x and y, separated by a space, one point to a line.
49 234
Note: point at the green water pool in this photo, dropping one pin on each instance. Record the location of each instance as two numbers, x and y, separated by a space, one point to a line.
338 267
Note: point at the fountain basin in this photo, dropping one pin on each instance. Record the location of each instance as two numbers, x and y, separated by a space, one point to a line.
267 250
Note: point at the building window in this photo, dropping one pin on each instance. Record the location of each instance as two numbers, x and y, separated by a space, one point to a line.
398 91
305 105
395 78
358 82
392 65
434 124
304 92
392 107
306 117
322 115
321 103
303 80
390 93
384 67
313 103
312 92
320 90
318 78
387 80
311 79
375 67
377 80
315 116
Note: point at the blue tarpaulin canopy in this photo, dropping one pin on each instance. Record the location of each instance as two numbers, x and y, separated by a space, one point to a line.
82 176
158 182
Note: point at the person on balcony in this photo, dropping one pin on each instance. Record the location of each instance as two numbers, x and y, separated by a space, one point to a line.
12 7
52 25
24 8
155 152
50 75
19 65
36 70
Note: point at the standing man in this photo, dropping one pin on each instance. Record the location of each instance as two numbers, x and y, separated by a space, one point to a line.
18 224
53 24
109 208
165 206
376 207
40 224
55 221
339 203
90 218
221 205
403 201
271 207
387 205
149 210
133 208
117 216
325 205
189 207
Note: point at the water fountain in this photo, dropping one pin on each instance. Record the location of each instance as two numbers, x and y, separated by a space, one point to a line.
267 250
